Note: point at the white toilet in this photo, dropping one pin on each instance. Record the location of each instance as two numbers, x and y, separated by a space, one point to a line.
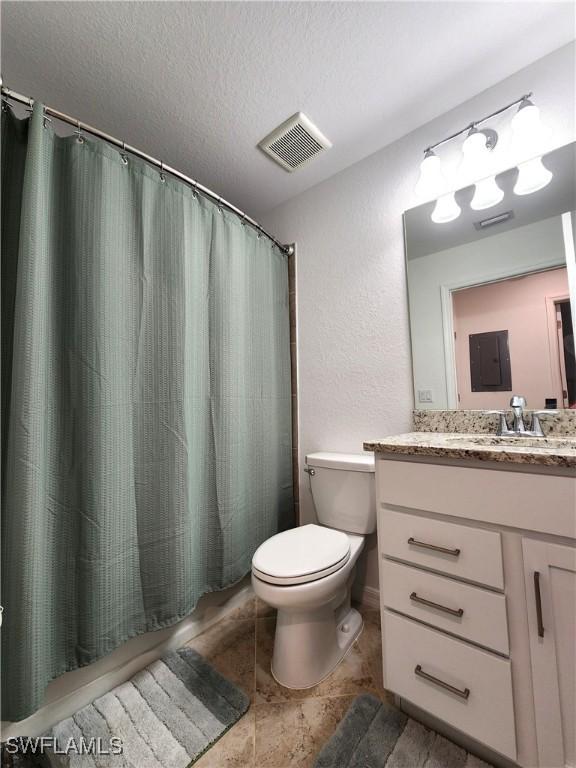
307 572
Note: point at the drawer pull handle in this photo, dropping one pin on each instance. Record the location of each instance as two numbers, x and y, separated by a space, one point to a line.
538 598
447 687
452 611
445 550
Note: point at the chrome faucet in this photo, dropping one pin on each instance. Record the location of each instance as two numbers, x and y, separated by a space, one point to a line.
518 403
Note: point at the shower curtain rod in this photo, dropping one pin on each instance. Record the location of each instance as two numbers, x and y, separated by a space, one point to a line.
7 93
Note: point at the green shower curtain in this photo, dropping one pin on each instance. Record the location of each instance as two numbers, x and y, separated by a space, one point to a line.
146 411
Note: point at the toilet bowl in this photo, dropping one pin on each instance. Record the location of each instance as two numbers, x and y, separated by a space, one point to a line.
307 572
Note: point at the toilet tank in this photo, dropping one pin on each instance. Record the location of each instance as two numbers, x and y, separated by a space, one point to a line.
342 487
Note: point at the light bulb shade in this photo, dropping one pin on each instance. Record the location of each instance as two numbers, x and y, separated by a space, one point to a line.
486 194
476 159
474 144
526 122
528 134
446 209
532 176
431 181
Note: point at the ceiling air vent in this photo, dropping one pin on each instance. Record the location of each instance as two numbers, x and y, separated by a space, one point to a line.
295 142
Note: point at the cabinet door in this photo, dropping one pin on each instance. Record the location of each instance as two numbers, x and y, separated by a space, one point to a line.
550 573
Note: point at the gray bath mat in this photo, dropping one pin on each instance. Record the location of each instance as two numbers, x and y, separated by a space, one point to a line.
377 735
166 716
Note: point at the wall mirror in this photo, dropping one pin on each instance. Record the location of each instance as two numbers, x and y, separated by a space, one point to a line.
492 296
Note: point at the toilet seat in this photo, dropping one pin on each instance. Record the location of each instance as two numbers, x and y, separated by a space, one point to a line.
301 555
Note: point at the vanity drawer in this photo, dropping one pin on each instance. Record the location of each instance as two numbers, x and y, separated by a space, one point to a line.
469 612
480 702
458 550
527 500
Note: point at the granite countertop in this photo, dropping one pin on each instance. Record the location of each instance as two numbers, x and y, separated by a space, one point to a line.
557 451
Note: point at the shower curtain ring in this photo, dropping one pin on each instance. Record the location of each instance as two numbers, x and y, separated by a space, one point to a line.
195 190
243 222
219 204
78 132
30 107
46 120
123 155
162 176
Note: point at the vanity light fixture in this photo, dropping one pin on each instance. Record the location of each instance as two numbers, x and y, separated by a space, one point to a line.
476 164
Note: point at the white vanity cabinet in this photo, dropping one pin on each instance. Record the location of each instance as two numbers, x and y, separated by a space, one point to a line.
478 598
550 573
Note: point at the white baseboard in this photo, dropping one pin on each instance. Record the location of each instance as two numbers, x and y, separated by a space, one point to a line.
369 597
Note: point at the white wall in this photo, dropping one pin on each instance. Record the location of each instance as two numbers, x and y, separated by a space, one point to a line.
355 378
515 252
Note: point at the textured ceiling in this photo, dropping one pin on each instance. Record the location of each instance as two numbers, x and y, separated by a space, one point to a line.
198 84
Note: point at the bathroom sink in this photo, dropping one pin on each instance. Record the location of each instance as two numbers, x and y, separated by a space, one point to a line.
560 443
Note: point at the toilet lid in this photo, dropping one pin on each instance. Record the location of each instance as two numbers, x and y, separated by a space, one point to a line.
300 555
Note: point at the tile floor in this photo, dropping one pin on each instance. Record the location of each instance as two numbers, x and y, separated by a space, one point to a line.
283 728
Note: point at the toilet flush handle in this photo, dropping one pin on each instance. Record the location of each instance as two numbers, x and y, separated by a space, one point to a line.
311 471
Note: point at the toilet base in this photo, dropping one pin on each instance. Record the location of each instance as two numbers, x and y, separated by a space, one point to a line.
309 645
